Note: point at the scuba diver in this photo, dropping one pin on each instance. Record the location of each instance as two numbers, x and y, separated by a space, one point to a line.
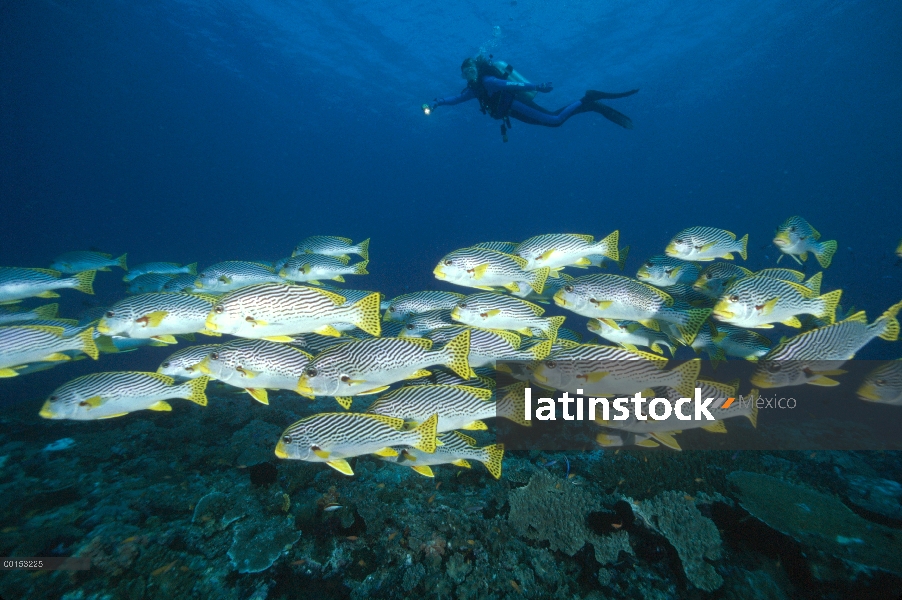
503 93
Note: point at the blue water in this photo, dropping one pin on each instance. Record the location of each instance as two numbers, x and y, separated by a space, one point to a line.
206 131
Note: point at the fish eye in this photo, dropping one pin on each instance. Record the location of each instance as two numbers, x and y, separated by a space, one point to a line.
568 288
391 309
286 439
462 305
551 364
410 326
215 355
678 241
668 271
448 262
310 372
218 309
109 314
880 382
53 398
708 276
773 368
649 264
165 365
792 229
734 298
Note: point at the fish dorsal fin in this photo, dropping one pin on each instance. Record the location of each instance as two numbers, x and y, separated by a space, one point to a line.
521 262
57 331
508 336
464 438
805 292
481 393
423 343
208 297
393 422
660 361
50 272
667 298
859 317
159 377
730 233
726 389
336 299
584 237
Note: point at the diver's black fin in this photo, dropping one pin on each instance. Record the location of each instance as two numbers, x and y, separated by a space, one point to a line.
593 95
612 115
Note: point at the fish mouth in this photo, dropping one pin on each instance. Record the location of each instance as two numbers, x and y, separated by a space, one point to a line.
455 314
281 450
761 381
781 240
642 273
210 324
671 250
439 272
560 300
303 388
722 313
198 284
47 411
868 392
204 366
539 377
103 328
283 273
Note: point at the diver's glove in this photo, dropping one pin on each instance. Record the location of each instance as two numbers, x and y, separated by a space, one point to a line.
544 87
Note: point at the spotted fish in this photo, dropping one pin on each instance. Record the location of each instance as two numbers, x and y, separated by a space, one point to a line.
604 296
706 243
332 438
811 357
761 301
17 284
277 311
455 448
370 366
487 270
114 394
159 315
796 238
497 311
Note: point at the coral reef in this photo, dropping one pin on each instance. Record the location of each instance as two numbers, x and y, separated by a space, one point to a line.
258 543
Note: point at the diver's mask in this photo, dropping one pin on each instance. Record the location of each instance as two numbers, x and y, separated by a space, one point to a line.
469 73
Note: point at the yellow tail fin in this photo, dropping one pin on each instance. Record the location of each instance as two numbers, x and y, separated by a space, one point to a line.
538 281
889 323
86 338
743 248
427 430
492 461
830 301
363 249
696 318
48 311
457 352
85 281
195 390
688 374
360 268
369 317
192 268
122 263
554 323
623 252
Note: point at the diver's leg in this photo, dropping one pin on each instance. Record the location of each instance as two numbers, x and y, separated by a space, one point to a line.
535 115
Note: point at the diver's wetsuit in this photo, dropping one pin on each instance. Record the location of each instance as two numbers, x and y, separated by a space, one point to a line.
526 111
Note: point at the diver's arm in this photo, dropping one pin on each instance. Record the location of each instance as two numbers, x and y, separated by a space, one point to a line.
467 94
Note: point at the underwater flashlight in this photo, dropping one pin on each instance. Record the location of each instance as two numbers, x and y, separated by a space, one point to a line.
426 109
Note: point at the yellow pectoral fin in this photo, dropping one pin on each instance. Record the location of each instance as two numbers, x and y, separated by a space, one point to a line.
386 452
479 271
823 381
94 401
596 377
57 357
166 339
341 465
605 304
161 405
769 306
493 312
155 318
424 470
279 338
8 373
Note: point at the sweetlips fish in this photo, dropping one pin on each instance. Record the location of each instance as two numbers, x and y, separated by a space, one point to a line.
17 284
158 315
706 243
77 262
486 270
490 310
883 384
717 277
761 301
664 271
457 406
559 250
234 274
22 345
181 283
313 267
454 448
796 238
162 268
402 307
631 334
182 364
150 282
328 245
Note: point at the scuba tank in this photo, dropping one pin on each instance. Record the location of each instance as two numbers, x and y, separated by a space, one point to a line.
511 74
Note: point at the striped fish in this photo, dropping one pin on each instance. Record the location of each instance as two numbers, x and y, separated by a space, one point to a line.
150 282
402 307
717 277
313 267
457 406
685 293
496 311
552 285
182 364
334 437
704 342
796 238
607 371
883 384
22 345
604 296
780 273
277 311
114 344
485 378
329 245
419 325
80 261
158 315
706 243
741 343
631 334
486 270
456 448
234 274
559 250
490 345
757 302
163 268
352 297
812 356
661 430
16 283
314 343
505 247
255 366
118 393
370 366
664 271
48 311
181 283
